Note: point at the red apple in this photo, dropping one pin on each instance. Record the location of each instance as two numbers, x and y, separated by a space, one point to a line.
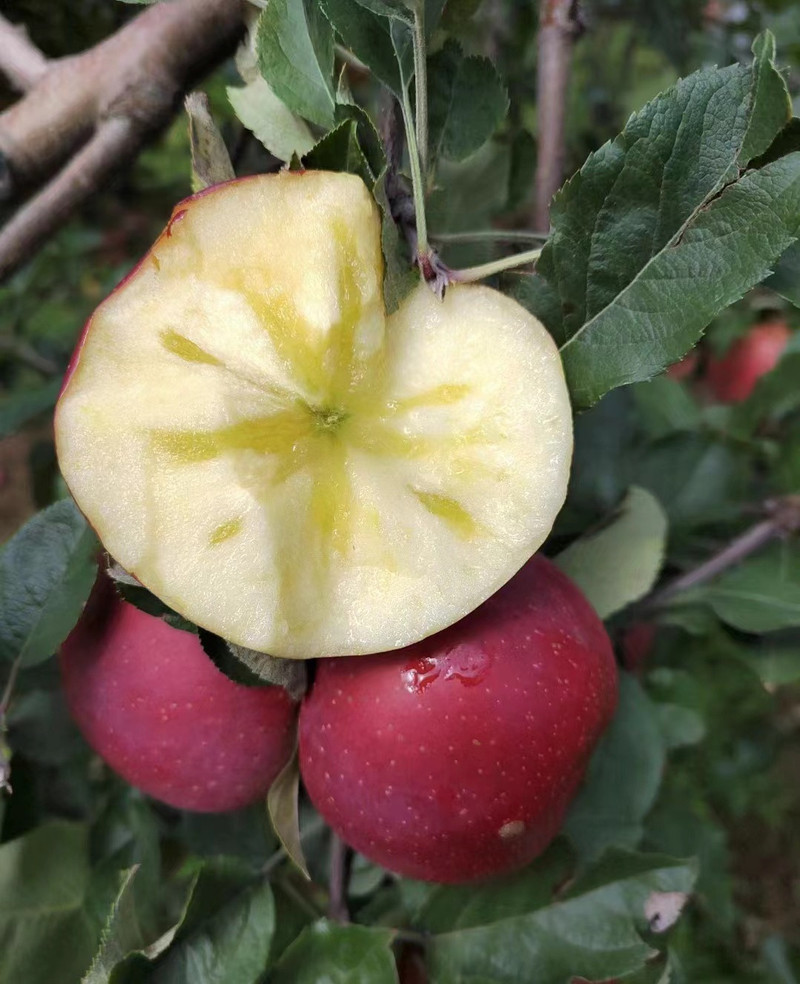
637 644
732 378
456 758
153 705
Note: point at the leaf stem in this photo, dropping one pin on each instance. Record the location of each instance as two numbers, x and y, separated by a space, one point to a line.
417 181
337 881
421 86
471 274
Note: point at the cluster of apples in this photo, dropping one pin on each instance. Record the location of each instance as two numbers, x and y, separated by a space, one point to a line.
286 466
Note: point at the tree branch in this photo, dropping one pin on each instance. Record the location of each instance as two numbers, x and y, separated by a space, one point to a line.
108 101
116 140
20 61
337 882
559 25
783 519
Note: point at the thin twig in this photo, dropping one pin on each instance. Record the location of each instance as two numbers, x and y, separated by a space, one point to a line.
26 354
337 883
115 140
20 60
559 25
490 235
783 519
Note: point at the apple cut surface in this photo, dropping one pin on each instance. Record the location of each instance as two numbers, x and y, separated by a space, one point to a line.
285 465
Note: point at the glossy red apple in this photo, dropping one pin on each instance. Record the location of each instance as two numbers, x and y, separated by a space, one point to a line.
153 705
456 758
732 378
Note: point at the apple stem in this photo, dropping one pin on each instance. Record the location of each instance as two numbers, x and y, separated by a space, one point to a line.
490 235
421 86
337 882
471 274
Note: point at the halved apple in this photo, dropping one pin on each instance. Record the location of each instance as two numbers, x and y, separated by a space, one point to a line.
284 465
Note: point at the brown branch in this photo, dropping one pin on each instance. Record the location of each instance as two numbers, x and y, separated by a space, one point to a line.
116 140
20 61
559 25
108 101
783 519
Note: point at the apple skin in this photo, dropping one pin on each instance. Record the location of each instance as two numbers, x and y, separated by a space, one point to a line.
152 704
732 378
455 758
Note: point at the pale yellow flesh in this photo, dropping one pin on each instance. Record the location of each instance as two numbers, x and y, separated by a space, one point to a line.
285 466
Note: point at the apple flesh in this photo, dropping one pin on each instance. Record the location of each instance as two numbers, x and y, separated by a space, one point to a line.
733 378
152 704
456 758
285 465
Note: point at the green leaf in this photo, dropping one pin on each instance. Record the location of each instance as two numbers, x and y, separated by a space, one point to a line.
339 150
121 933
623 778
47 930
726 248
467 102
223 937
776 665
282 805
620 563
46 573
786 278
338 954
664 406
659 230
761 594
367 35
270 120
211 163
137 594
295 54
772 106
24 405
591 932
679 725
449 908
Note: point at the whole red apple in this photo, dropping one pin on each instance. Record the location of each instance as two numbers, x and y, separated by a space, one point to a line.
456 758
732 378
153 705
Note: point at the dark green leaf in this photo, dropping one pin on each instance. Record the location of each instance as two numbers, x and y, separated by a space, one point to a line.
786 278
138 595
339 150
665 406
337 954
367 35
390 8
46 573
727 247
254 669
619 563
622 780
449 908
121 933
467 102
295 54
591 932
772 107
223 936
646 245
24 405
679 725
47 931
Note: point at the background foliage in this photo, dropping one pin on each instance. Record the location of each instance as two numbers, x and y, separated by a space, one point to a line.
695 787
